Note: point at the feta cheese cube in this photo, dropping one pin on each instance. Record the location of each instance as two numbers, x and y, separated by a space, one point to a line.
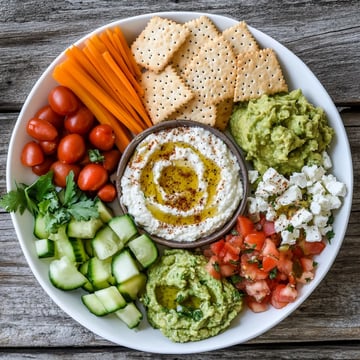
312 233
298 179
281 223
290 196
327 163
272 183
301 217
333 186
315 207
270 214
289 237
253 175
313 172
320 220
252 205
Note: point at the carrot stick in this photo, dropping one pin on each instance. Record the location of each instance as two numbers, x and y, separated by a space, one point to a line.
65 77
136 101
119 91
104 97
123 44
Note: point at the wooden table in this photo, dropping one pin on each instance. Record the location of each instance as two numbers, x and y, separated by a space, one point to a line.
325 35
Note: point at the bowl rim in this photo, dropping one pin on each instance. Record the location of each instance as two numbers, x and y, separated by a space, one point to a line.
243 171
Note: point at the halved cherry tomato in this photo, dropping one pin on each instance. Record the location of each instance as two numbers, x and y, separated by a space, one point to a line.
32 154
48 114
102 137
92 177
62 100
41 130
62 170
111 160
71 148
80 122
107 193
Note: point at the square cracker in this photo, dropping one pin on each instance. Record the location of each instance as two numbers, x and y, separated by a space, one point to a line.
156 44
258 73
196 110
240 38
201 29
223 112
164 93
212 71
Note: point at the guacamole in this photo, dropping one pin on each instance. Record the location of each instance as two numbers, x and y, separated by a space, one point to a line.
283 131
184 301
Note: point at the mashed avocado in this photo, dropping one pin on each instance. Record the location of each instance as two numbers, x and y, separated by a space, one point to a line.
283 131
184 301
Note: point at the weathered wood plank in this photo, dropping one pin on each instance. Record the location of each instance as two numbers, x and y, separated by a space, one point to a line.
325 35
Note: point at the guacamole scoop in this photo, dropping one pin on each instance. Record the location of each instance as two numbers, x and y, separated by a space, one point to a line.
184 301
283 131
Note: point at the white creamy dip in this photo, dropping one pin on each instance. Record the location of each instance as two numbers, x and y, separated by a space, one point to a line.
182 184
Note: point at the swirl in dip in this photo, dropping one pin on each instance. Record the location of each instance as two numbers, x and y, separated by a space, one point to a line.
182 183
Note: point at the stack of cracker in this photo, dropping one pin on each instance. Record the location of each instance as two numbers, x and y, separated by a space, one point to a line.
193 71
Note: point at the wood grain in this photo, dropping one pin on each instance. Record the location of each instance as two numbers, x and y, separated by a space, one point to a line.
324 34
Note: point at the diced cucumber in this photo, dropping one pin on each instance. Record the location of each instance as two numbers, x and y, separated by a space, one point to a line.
88 247
124 266
95 306
105 243
111 298
40 228
63 246
64 275
131 288
124 227
99 271
84 229
105 213
83 268
144 250
130 315
79 250
45 248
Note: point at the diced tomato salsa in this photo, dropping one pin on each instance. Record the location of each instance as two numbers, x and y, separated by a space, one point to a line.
253 260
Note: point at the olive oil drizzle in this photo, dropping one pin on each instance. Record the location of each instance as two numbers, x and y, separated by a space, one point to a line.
180 182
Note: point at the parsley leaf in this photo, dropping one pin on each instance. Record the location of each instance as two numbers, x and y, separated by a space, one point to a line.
95 156
14 200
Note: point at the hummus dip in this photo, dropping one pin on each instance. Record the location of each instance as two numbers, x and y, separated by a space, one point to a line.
184 301
182 184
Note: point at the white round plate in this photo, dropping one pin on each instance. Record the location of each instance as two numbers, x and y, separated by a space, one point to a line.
247 325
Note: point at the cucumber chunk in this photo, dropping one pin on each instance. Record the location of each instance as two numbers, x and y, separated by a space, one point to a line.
124 266
105 243
99 271
130 315
40 228
105 213
45 248
111 298
133 287
144 250
64 275
93 303
63 246
124 227
84 229
79 250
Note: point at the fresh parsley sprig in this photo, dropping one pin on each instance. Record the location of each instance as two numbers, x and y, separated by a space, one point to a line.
56 206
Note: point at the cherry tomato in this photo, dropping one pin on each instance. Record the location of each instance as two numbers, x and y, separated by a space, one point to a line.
44 167
92 177
107 193
48 114
32 154
61 171
41 130
102 137
48 147
63 101
111 160
80 122
71 148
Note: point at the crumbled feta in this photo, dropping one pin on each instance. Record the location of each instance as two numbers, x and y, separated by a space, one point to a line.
316 188
289 237
333 186
320 220
298 179
253 176
281 223
272 183
301 217
313 172
270 214
289 196
327 163
312 233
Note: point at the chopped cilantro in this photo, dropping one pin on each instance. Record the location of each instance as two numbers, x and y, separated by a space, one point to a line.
95 156
273 273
